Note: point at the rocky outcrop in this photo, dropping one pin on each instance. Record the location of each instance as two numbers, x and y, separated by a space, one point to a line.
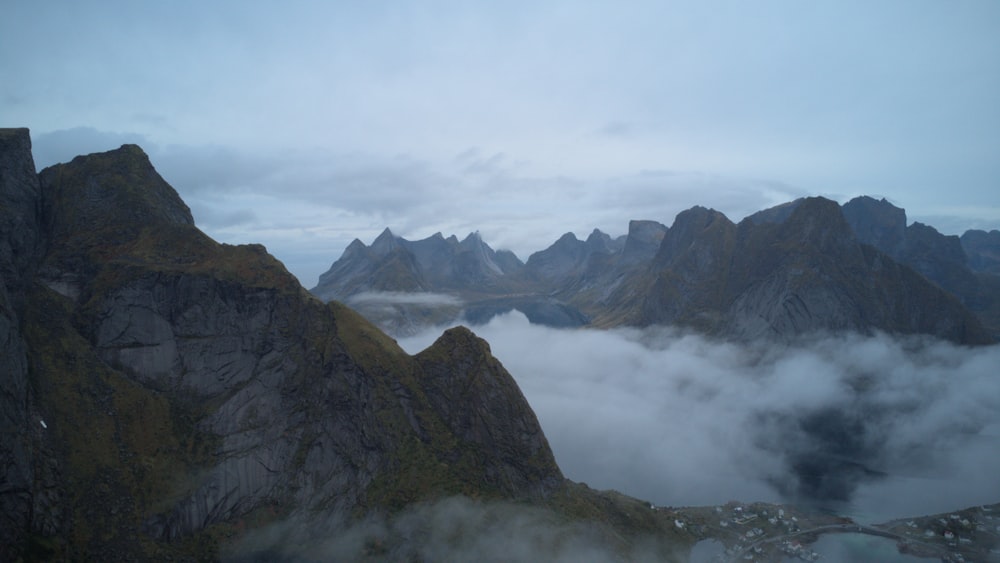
825 280
983 250
643 240
940 258
561 260
878 223
191 388
482 405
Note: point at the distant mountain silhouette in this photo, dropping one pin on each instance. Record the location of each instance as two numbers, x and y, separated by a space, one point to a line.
805 266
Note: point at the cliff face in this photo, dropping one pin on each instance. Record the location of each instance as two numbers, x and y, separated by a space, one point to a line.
805 273
20 216
957 265
190 389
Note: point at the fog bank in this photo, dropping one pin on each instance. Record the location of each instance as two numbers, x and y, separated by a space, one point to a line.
875 427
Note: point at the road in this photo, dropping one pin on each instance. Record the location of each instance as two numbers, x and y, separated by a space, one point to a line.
834 528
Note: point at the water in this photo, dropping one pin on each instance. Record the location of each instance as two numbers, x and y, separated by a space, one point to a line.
858 548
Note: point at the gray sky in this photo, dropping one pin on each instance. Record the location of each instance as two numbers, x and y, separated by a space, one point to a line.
303 125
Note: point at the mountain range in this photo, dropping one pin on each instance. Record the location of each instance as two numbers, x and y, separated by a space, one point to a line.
167 397
809 265
163 395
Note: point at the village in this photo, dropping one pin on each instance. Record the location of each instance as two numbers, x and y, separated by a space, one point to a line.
762 532
972 534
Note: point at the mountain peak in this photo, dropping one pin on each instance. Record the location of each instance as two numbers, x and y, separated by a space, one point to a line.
568 238
384 243
643 240
821 222
123 187
878 223
114 203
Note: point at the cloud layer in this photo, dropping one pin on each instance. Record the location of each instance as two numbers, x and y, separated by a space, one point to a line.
452 529
876 427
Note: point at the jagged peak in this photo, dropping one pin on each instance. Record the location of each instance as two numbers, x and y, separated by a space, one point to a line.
698 217
646 230
567 238
776 214
473 240
385 242
355 248
118 187
459 341
820 221
599 241
818 206
873 207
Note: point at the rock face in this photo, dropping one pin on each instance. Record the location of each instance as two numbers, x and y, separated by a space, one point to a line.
940 258
190 388
983 250
479 402
20 217
805 274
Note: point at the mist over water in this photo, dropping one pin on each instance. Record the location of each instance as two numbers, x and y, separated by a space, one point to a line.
873 427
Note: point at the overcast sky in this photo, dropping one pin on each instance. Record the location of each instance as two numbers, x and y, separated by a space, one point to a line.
304 125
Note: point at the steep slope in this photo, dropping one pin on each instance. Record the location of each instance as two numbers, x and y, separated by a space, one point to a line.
940 258
20 219
983 250
190 389
766 279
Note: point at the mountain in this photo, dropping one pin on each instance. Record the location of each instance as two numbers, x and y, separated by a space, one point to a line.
167 397
404 285
808 265
807 273
942 259
983 250
163 395
436 263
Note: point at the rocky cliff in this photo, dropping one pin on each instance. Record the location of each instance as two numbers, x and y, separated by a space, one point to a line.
983 250
162 392
806 273
958 265
20 244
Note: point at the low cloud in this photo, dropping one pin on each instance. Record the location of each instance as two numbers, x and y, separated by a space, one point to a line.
875 427
403 298
452 529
